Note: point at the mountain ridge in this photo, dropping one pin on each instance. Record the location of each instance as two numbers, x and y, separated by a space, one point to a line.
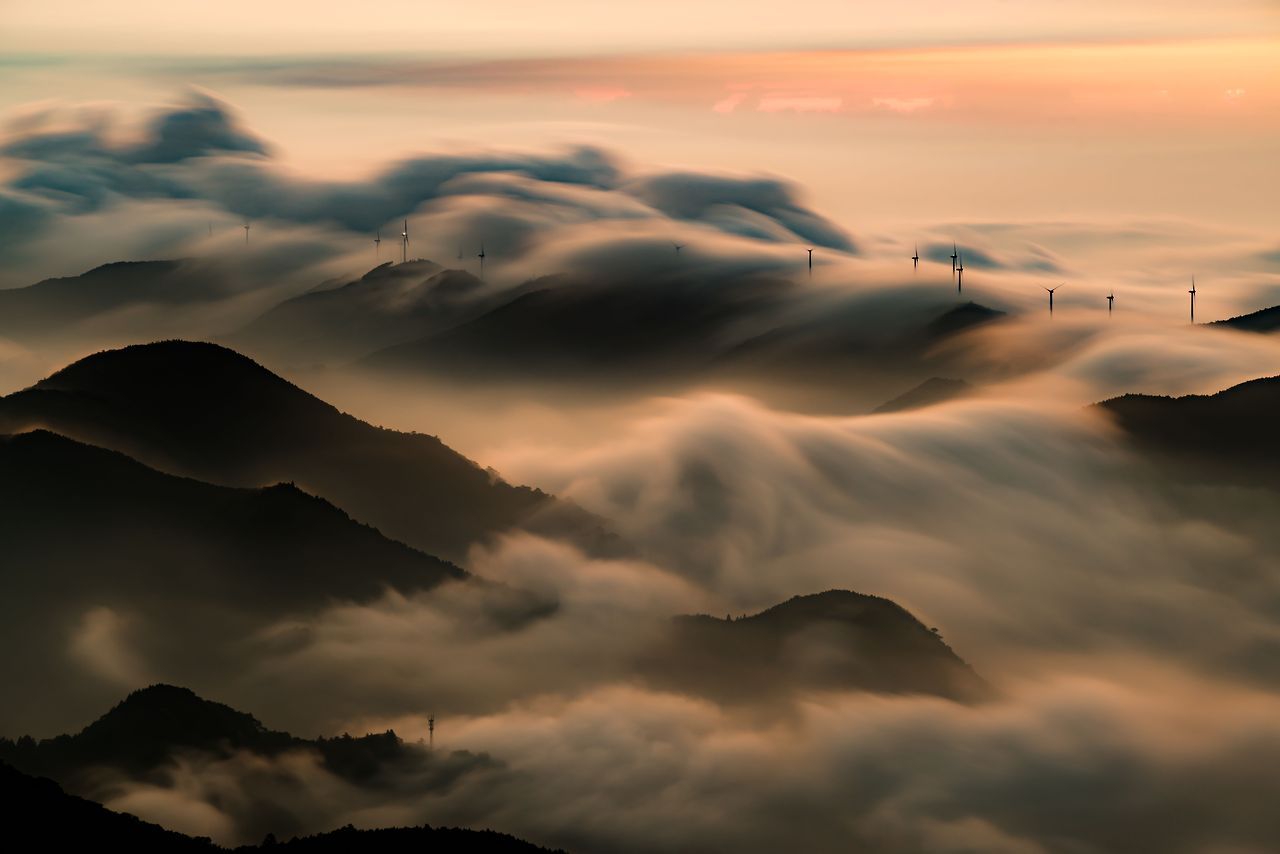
202 410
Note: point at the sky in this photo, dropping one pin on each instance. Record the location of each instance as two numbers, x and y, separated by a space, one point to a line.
1128 618
885 113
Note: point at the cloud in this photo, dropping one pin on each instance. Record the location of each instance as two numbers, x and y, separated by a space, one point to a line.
800 104
68 165
729 103
691 196
101 643
903 105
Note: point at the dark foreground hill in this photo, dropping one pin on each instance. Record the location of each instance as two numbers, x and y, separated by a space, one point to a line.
207 412
1232 433
82 520
37 815
103 556
837 640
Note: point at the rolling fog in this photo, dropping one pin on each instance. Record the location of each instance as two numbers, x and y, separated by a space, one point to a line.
1125 613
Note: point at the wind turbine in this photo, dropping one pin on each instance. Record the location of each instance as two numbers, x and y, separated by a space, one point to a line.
1051 290
810 251
678 247
431 731
377 244
1111 299
404 243
246 232
481 257
955 255
1193 300
915 258
959 270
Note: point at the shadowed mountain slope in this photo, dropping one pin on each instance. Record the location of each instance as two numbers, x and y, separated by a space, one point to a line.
204 411
99 521
390 304
104 558
50 307
1233 431
37 815
566 327
1263 320
837 640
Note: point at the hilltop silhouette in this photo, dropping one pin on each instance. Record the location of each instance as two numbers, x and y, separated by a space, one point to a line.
154 725
837 640
1231 433
1263 320
36 814
565 326
205 411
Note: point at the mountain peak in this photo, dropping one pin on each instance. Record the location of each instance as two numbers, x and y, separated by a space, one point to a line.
169 714
140 365
963 317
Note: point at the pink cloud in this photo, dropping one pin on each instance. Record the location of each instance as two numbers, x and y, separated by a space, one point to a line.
902 105
730 103
801 104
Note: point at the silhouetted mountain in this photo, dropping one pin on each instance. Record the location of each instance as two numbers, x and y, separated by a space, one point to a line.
97 520
1263 320
390 304
37 815
563 326
191 569
50 307
677 331
1232 432
207 412
836 640
962 317
931 391
152 726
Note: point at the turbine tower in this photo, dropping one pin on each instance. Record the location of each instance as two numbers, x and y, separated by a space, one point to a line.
1051 290
1111 299
404 243
955 256
915 258
678 247
959 271
246 232
431 731
377 244
810 251
1193 300
480 255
